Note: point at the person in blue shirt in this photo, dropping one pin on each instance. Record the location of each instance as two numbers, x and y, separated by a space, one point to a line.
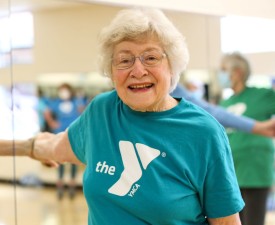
60 113
149 158
41 107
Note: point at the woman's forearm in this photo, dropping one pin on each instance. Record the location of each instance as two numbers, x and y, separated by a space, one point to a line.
16 147
29 147
46 147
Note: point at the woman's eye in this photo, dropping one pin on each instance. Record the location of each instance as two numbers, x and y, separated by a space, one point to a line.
151 58
125 60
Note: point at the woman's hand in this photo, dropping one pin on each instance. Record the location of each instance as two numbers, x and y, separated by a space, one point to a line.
42 138
265 128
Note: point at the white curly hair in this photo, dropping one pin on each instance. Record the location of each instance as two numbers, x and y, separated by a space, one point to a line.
136 24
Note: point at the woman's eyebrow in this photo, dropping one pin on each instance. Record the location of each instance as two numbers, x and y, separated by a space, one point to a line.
145 50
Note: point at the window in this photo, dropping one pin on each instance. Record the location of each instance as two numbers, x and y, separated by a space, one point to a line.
16 36
247 34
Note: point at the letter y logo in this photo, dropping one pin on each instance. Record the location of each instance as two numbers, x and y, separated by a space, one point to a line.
132 170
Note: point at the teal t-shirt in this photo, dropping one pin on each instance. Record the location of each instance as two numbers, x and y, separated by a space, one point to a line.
253 154
172 167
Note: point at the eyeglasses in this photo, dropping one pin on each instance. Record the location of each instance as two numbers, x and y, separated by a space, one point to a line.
126 60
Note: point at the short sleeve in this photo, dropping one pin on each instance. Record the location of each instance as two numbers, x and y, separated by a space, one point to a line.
77 134
222 195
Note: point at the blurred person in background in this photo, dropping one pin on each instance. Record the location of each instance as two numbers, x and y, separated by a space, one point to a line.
228 119
60 113
253 154
41 107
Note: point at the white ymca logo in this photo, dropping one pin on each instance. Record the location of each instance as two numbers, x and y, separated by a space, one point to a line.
237 109
132 170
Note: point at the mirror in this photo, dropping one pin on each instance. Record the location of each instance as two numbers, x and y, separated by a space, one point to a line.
7 165
61 46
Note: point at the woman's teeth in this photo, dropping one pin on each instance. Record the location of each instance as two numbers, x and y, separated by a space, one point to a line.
141 86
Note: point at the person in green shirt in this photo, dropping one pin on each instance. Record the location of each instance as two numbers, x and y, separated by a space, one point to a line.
253 154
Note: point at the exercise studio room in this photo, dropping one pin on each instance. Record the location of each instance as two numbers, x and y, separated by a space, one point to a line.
123 112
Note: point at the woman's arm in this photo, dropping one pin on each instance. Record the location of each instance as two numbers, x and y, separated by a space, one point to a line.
53 124
46 147
227 119
228 220
17 147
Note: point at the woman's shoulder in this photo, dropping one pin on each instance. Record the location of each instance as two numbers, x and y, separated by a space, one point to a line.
105 97
102 101
268 94
196 110
202 118
263 90
209 134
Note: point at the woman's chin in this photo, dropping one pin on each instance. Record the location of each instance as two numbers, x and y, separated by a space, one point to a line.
140 108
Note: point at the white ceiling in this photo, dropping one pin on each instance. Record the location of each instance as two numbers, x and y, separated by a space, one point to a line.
22 5
257 8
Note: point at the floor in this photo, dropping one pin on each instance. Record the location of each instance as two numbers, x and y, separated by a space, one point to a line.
39 206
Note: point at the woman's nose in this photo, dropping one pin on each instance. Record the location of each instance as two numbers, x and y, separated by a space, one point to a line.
138 69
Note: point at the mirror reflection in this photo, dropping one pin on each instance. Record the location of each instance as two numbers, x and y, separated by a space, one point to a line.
48 56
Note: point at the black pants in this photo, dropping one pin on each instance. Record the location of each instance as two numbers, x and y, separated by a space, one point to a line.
255 205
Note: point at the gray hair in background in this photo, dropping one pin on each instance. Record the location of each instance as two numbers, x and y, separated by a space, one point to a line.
236 60
136 24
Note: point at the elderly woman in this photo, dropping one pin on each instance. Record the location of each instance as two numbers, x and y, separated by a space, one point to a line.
150 158
256 175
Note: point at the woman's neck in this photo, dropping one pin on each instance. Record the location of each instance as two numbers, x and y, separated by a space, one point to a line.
164 105
238 88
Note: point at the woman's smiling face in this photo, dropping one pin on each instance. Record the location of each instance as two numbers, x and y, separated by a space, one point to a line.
142 87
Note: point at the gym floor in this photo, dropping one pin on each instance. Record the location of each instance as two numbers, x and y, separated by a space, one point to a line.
40 206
